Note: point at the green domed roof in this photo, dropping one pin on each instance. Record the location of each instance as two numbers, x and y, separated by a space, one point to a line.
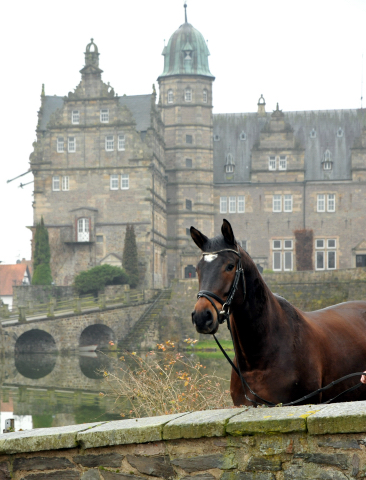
186 53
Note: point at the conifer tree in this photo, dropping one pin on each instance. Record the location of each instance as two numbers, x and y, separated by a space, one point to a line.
42 256
130 257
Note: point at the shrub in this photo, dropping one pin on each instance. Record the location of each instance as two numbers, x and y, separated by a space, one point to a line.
160 384
94 280
130 256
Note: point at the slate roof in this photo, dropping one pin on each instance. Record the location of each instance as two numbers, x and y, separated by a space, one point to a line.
139 105
326 124
10 276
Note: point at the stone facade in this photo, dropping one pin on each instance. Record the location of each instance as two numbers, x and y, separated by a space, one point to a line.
325 442
102 161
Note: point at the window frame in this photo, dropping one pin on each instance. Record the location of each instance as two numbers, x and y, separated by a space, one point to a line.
332 252
282 167
318 252
85 223
189 204
104 115
65 183
271 166
232 204
188 95
75 117
229 168
278 254
288 208
287 253
170 96
275 201
125 181
121 142
223 204
241 203
273 244
59 148
318 202
189 136
109 143
331 200
113 177
71 144
56 181
332 240
189 161
205 95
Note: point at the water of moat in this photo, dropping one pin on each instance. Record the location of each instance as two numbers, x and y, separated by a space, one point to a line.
48 390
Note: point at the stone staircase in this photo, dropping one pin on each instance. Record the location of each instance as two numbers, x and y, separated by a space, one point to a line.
145 333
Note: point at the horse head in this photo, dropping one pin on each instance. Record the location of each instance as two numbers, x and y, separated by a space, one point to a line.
221 278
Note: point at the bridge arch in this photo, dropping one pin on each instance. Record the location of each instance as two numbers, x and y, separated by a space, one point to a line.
97 334
35 341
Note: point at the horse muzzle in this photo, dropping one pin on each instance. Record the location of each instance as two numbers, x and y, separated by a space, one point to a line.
205 321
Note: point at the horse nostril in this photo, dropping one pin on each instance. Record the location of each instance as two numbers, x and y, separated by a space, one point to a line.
208 316
193 314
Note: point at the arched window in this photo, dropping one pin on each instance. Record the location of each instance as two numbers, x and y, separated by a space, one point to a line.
188 95
230 164
327 161
83 233
170 96
205 96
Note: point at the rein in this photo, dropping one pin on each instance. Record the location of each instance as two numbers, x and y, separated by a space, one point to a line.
224 315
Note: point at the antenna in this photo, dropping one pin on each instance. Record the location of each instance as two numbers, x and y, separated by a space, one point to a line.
361 80
185 11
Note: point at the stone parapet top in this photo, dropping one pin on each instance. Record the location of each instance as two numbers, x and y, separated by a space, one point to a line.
312 419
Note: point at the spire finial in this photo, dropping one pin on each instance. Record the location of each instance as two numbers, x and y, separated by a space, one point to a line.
185 11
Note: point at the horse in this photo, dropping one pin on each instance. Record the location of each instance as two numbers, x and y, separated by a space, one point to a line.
281 353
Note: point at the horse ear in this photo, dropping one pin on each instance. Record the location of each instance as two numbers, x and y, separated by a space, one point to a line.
198 237
228 233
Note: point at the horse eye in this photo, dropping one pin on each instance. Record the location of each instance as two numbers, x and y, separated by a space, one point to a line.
230 267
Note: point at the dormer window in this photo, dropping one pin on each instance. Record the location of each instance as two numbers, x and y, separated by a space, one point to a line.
230 164
340 132
170 96
216 138
188 95
313 133
204 96
243 136
327 161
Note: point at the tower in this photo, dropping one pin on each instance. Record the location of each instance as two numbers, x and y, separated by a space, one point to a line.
186 109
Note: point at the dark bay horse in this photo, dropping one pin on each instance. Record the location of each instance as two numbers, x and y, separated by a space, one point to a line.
282 352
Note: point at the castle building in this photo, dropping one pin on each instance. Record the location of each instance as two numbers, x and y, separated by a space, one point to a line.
293 184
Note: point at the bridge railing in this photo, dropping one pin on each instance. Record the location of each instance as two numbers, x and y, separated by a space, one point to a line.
57 308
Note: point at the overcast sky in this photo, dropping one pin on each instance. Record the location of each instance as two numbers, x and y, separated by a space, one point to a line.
304 55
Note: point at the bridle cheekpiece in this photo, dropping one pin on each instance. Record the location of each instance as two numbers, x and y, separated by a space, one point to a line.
224 313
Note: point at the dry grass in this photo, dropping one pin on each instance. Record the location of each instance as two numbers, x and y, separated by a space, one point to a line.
164 382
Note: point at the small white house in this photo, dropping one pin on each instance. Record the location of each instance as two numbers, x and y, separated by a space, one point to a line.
12 276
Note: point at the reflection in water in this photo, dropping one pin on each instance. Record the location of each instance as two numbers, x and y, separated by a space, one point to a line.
35 365
93 367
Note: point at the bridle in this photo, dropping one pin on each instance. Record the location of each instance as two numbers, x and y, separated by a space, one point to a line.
224 315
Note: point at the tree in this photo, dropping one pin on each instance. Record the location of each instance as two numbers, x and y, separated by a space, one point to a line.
41 257
94 280
130 256
304 249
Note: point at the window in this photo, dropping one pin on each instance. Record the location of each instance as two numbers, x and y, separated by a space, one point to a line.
313 133
283 163
327 165
325 254
65 183
71 144
104 116
188 205
216 138
277 203
189 139
170 96
60 144
340 132
99 238
56 183
83 230
287 203
331 202
113 182
121 142
188 163
109 143
241 204
232 204
272 163
243 136
75 116
327 161
282 255
188 95
204 96
229 168
320 207
125 181
223 204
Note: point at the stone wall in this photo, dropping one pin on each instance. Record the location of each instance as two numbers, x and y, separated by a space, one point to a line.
24 294
324 442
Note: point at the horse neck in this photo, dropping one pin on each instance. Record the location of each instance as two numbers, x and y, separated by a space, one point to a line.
258 322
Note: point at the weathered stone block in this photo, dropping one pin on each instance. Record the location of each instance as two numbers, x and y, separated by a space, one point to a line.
312 472
347 417
247 476
346 444
156 466
4 471
274 445
205 462
104 460
41 463
60 475
270 420
202 476
338 459
119 476
119 432
210 423
263 464
91 475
